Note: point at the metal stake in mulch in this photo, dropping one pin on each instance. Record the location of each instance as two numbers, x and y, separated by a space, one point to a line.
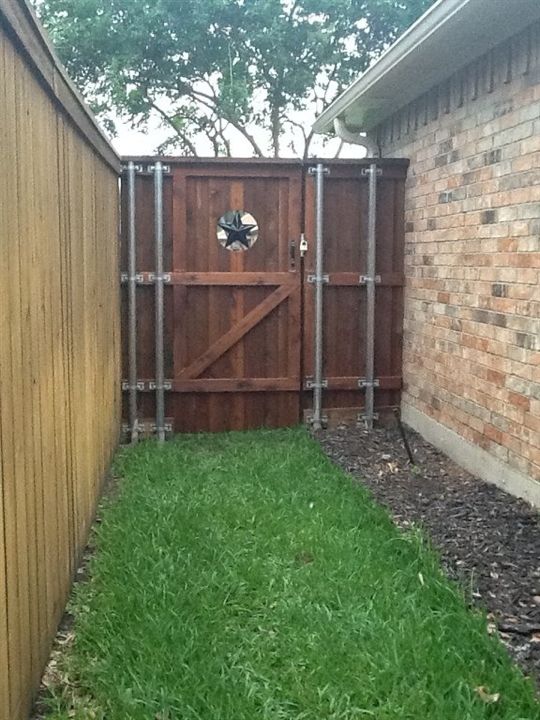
404 437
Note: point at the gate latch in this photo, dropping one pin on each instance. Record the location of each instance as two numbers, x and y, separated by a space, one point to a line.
303 245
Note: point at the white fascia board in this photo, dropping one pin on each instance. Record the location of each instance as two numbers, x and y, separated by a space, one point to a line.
449 35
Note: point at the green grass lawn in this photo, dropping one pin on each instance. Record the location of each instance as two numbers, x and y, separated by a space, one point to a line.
244 577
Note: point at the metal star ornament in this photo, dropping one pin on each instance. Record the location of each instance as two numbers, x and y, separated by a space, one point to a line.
237 230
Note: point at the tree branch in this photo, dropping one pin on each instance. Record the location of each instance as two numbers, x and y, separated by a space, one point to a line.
185 139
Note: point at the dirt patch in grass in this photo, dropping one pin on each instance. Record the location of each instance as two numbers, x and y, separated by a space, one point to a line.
487 539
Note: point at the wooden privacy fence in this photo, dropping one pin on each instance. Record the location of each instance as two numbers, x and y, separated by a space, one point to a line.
59 343
233 345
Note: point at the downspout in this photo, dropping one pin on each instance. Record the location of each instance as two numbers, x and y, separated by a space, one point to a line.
356 138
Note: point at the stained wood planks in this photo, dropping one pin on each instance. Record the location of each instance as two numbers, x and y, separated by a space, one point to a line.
232 318
345 262
59 346
239 342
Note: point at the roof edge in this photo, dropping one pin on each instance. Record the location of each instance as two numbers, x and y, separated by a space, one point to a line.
432 20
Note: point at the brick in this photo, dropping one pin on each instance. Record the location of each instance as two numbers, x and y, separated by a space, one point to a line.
519 400
492 156
496 377
472 306
488 217
499 290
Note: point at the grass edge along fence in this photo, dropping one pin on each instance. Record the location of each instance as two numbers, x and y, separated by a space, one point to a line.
242 576
59 343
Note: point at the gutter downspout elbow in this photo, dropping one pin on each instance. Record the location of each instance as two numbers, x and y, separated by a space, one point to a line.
356 138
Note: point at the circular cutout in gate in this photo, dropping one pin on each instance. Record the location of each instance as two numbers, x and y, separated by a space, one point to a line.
237 230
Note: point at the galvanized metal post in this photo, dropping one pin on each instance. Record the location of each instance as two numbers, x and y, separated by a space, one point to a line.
158 237
319 280
132 306
370 298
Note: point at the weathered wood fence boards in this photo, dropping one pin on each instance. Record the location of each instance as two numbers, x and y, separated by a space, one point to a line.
59 344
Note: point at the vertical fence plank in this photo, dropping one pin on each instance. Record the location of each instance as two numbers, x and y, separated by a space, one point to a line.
59 347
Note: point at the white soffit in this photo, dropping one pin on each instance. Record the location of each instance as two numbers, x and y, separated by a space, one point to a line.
451 34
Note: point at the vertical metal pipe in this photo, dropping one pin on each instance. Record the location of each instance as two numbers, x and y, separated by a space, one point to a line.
319 280
370 299
132 306
158 236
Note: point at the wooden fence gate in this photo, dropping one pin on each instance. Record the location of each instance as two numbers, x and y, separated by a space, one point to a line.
220 286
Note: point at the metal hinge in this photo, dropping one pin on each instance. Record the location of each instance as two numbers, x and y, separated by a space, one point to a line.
167 385
165 169
310 384
124 278
152 277
167 427
313 279
364 382
313 170
137 168
362 418
324 420
139 385
367 171
147 427
145 386
365 279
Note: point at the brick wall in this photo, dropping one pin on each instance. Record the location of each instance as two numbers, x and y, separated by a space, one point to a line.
472 343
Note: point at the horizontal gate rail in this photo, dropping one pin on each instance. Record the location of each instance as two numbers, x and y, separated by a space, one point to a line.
232 279
209 385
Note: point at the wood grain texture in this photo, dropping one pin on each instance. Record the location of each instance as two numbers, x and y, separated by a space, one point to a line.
232 318
240 325
59 355
345 260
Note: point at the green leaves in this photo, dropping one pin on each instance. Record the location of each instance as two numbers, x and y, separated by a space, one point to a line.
232 66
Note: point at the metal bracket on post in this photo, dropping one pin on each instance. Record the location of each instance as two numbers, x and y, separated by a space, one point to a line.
323 421
365 279
139 386
314 170
136 167
366 421
126 278
313 279
365 383
310 384
165 277
167 385
165 169
368 170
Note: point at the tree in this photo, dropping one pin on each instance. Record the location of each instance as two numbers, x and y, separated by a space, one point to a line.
220 68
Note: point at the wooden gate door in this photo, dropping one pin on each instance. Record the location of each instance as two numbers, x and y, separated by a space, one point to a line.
232 317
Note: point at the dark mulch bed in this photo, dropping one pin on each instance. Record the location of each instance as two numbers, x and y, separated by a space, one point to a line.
488 540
